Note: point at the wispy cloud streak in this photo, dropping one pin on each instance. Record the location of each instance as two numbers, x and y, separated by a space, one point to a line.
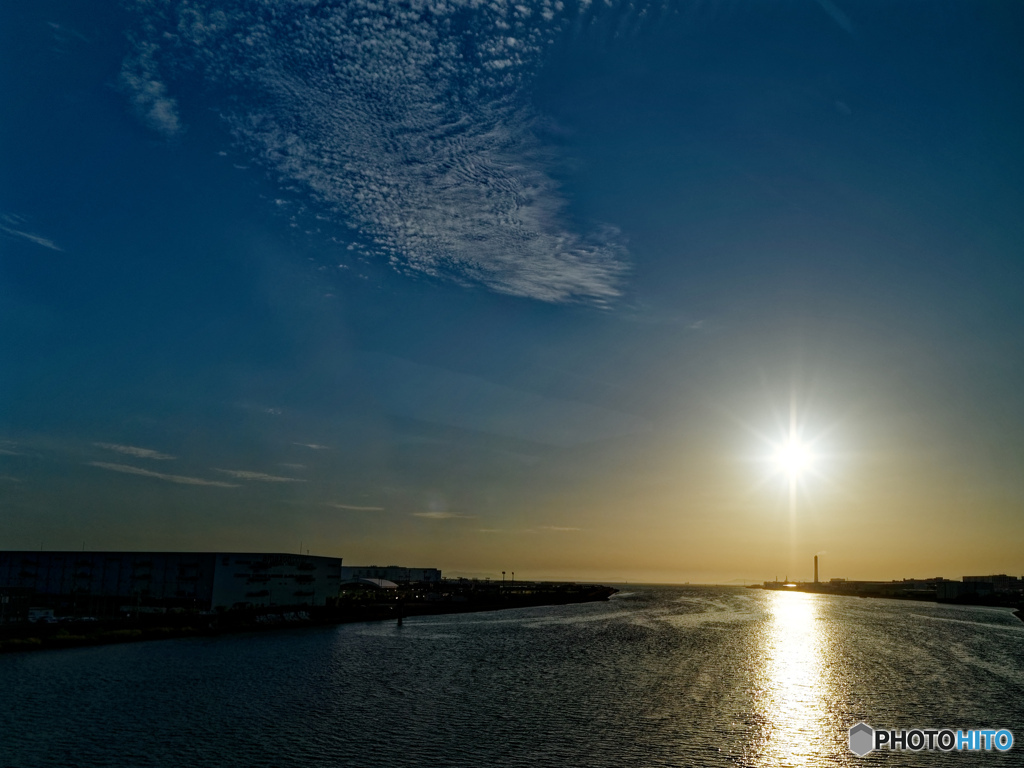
262 477
837 15
354 508
131 450
43 241
442 515
11 448
180 479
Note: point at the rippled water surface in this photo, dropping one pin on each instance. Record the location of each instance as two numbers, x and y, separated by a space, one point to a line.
658 676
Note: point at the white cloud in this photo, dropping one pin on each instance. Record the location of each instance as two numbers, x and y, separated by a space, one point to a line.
559 528
837 15
411 126
268 409
441 515
131 450
10 448
243 474
61 33
180 479
353 508
39 241
313 446
140 79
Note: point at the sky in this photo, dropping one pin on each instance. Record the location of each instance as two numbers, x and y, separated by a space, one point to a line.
540 287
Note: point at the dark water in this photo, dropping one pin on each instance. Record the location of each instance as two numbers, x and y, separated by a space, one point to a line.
658 676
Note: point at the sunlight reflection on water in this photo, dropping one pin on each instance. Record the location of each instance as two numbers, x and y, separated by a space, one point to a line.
795 691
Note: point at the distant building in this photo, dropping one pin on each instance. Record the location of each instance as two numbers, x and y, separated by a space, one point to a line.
14 604
109 583
396 573
925 584
362 584
1000 582
951 590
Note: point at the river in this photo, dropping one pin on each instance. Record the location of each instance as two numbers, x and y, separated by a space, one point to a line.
657 676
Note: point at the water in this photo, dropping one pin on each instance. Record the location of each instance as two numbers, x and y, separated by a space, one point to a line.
658 676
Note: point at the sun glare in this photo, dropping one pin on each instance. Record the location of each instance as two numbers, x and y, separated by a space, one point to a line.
793 458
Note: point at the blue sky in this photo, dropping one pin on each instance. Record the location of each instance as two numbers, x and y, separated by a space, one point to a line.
480 285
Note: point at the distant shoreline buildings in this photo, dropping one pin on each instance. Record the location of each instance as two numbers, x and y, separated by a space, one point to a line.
396 573
118 583
935 588
938 587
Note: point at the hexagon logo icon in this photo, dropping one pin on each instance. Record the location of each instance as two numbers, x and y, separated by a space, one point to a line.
862 739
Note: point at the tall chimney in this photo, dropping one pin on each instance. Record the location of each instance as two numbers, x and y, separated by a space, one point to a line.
815 569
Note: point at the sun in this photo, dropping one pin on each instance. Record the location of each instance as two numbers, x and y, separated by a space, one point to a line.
793 458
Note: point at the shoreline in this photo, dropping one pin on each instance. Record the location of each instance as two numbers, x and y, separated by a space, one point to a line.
24 637
1016 607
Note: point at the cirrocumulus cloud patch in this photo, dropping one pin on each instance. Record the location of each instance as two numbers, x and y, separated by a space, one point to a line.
407 121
